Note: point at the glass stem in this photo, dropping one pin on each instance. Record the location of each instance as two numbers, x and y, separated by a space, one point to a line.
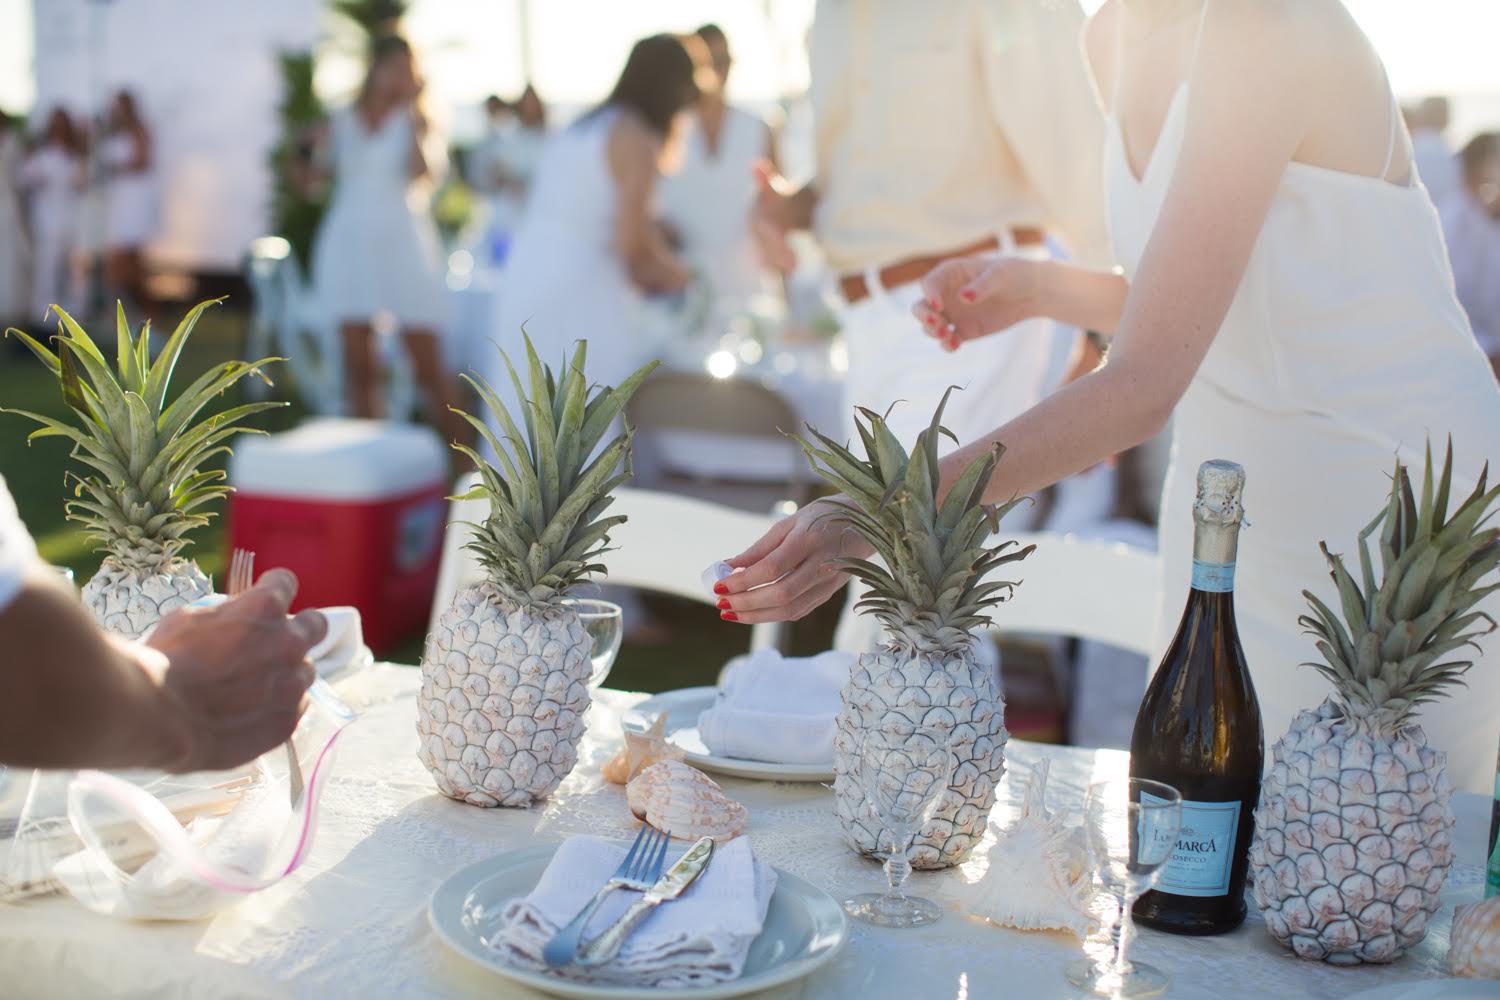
897 871
1118 937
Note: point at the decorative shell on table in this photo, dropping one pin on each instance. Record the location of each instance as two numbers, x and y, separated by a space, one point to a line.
1474 947
641 750
682 800
1038 875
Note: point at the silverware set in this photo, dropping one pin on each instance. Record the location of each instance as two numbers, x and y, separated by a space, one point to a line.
641 871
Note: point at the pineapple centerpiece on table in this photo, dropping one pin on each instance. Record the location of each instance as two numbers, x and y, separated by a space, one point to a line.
1354 830
146 488
506 669
930 595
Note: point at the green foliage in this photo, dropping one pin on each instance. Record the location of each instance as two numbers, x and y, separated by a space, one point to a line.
298 197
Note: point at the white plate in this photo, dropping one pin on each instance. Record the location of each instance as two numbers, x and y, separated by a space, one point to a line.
804 929
683 707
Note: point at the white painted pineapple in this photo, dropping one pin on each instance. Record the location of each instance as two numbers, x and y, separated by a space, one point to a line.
1354 829
506 669
929 594
146 490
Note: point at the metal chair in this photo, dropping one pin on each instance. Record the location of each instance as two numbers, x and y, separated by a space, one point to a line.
712 430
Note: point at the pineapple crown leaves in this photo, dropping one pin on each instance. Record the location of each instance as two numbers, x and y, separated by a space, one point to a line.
931 590
548 489
1397 644
147 488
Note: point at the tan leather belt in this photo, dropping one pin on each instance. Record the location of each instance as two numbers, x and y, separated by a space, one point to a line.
855 288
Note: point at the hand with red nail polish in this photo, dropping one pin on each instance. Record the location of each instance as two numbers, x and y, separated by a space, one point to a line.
729 616
985 294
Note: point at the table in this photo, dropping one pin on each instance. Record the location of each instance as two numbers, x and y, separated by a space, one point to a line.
353 920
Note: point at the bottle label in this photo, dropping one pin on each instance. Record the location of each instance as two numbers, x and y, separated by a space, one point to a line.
1200 863
1213 578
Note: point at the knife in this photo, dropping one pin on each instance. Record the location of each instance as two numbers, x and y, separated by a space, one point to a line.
671 885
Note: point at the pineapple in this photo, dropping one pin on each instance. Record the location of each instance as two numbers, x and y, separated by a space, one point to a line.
506 668
1354 829
929 595
147 488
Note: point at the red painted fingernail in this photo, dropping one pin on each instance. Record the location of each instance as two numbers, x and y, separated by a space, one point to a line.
967 295
729 616
720 588
724 604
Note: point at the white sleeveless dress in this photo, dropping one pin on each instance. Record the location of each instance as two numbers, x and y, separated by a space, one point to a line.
708 200
1344 347
563 277
377 249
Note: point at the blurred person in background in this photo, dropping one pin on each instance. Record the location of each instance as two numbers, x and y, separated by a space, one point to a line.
52 177
934 140
708 199
132 209
1471 226
1436 165
506 160
15 246
587 246
377 256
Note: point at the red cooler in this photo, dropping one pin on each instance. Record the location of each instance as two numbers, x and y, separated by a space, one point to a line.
355 508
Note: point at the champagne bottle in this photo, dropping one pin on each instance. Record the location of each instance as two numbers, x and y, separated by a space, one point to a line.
1199 730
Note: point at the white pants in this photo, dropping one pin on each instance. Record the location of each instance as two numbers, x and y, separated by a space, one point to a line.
892 359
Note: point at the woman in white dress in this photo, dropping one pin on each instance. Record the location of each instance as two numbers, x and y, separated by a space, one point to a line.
52 178
131 205
506 160
15 247
708 199
377 254
1285 289
587 246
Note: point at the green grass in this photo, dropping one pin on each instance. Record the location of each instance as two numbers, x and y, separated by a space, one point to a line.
697 643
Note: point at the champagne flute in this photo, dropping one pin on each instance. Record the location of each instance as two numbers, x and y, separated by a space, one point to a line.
903 773
602 621
1132 827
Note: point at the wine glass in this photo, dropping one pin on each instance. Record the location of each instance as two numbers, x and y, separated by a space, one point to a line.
903 774
1132 827
601 620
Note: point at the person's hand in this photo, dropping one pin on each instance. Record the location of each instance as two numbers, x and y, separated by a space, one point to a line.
235 674
972 297
771 218
791 570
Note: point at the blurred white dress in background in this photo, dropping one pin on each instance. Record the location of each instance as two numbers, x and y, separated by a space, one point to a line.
132 212
15 248
512 151
377 252
51 177
708 202
564 278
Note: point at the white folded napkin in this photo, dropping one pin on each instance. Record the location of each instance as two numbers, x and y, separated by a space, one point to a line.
344 643
777 709
699 939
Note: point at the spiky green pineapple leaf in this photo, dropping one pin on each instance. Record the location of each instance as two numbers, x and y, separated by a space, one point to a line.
144 482
1385 657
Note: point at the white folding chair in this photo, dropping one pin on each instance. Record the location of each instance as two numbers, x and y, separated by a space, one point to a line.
1073 586
664 547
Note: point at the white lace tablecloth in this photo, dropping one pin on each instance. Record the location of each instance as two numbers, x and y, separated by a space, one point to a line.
352 922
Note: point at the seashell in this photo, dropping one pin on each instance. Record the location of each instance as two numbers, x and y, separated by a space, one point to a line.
639 751
1474 951
684 801
1038 875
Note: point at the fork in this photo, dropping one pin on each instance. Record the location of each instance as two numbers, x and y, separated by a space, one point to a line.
241 578
639 871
